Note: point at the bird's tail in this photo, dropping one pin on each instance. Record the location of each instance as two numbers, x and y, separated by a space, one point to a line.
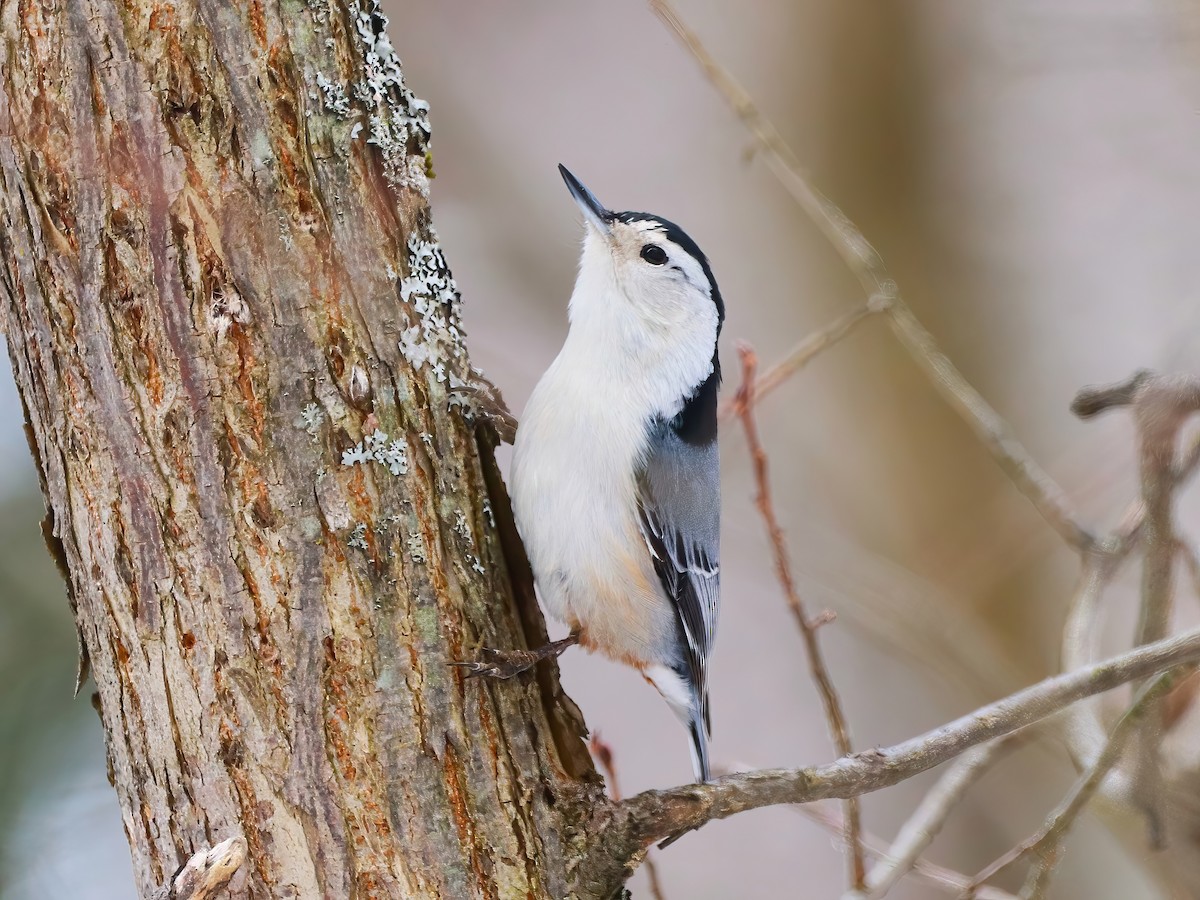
690 705
698 733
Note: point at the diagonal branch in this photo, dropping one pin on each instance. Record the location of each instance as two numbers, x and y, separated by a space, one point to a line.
808 628
1160 405
1045 844
882 292
800 356
628 828
945 878
929 817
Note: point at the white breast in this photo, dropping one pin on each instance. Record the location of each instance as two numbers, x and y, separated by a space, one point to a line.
574 499
579 444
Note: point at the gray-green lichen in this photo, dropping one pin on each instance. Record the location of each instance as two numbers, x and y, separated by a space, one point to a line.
375 447
398 121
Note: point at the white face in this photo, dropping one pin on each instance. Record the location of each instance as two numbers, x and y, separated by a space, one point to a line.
664 284
642 304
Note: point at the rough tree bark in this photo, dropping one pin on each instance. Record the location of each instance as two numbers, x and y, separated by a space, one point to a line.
237 344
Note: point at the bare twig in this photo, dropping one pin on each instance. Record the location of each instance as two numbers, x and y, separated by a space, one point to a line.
205 873
631 826
1158 430
1085 729
1087 733
882 292
1045 844
930 815
1160 404
800 356
990 428
1094 399
603 753
808 628
947 879
1129 532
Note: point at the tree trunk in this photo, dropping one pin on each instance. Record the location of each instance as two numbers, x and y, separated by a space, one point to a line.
237 343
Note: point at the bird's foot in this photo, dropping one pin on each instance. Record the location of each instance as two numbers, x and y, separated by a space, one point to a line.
507 663
487 404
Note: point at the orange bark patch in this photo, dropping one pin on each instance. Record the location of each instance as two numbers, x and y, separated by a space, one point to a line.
258 24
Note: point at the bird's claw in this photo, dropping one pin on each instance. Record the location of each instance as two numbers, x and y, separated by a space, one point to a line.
505 664
487 404
498 664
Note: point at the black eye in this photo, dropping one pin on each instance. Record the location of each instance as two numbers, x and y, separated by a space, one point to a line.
654 254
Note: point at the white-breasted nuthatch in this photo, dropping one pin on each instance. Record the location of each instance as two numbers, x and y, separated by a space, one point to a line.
615 475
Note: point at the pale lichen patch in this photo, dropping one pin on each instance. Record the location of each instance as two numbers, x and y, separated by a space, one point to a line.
311 418
334 96
375 447
437 338
399 126
358 537
227 307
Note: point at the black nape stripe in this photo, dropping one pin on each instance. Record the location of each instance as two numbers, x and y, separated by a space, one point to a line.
677 235
696 423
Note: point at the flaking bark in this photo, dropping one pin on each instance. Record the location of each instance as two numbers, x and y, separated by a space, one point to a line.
215 247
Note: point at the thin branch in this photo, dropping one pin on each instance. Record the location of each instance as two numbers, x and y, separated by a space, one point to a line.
1157 436
991 429
927 820
205 873
800 356
1092 400
603 753
808 628
1160 404
629 827
1129 532
1045 844
1086 732
882 292
947 879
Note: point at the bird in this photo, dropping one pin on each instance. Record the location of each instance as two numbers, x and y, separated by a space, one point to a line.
615 477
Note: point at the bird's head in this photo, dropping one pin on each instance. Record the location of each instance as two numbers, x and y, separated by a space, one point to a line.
645 261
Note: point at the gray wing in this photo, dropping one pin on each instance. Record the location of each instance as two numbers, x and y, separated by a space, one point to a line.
680 503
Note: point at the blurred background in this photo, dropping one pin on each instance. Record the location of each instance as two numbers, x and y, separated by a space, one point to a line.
1029 170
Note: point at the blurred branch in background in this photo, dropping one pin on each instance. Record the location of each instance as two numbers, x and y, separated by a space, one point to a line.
800 356
1161 406
883 294
927 820
946 879
602 752
651 816
1045 846
839 730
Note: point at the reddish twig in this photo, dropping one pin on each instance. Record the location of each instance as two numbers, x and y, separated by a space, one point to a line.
603 753
800 356
947 879
883 293
808 627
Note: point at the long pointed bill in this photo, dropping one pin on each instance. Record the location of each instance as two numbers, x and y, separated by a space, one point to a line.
598 217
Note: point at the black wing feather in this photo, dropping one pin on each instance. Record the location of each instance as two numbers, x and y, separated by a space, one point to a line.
679 498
